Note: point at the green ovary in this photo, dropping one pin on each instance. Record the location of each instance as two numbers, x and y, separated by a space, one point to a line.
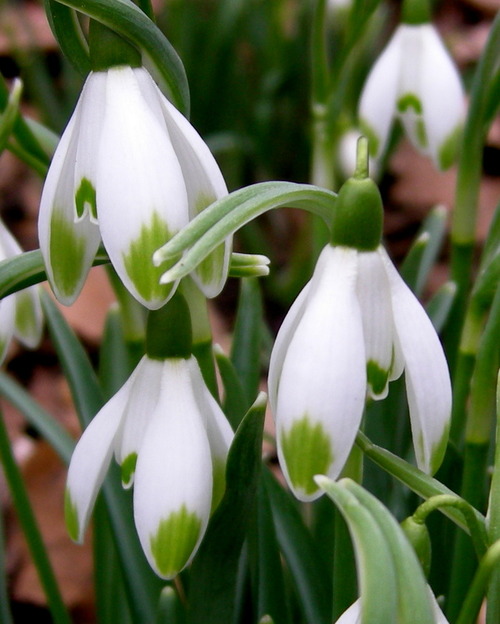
174 541
67 254
307 452
139 264
376 376
71 516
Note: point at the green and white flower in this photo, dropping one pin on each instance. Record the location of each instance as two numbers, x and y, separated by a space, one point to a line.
129 169
416 81
20 313
354 327
171 439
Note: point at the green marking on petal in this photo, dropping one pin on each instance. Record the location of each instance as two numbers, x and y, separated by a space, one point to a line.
421 133
174 541
448 150
67 253
407 101
377 377
219 482
26 319
307 451
85 196
202 201
71 516
128 468
373 138
209 270
139 264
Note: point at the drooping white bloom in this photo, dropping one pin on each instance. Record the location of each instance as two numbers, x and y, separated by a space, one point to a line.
131 169
354 327
171 439
353 614
416 81
20 313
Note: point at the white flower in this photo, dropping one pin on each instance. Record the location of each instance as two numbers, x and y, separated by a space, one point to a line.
131 169
353 614
415 80
171 439
354 327
20 313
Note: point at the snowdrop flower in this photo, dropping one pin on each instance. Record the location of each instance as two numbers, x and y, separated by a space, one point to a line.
20 313
129 169
353 328
171 439
353 614
416 81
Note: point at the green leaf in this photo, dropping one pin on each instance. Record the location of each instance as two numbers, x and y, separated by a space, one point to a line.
424 251
225 216
311 578
439 307
413 595
10 113
42 421
214 570
235 403
127 19
27 269
64 24
376 571
246 343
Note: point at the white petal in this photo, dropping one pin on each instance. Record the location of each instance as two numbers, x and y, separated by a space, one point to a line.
91 120
281 343
219 432
375 300
144 390
427 378
173 478
28 318
68 248
141 195
352 615
90 462
441 93
321 393
377 105
7 316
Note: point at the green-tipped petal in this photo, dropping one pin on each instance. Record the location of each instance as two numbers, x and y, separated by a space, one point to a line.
90 462
428 385
173 476
141 194
68 246
322 377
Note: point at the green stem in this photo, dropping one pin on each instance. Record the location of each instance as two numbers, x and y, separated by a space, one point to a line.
445 500
493 612
5 614
475 595
31 530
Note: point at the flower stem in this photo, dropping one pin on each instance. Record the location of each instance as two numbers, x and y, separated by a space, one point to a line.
31 530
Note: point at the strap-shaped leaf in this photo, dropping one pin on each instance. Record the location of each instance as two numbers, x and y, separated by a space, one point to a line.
227 215
214 569
375 564
414 606
64 24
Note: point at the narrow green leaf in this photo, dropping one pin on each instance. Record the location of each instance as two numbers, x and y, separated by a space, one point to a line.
311 578
42 421
127 19
28 269
214 570
246 343
235 404
5 614
225 216
423 253
413 595
439 307
64 24
419 482
10 113
376 571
